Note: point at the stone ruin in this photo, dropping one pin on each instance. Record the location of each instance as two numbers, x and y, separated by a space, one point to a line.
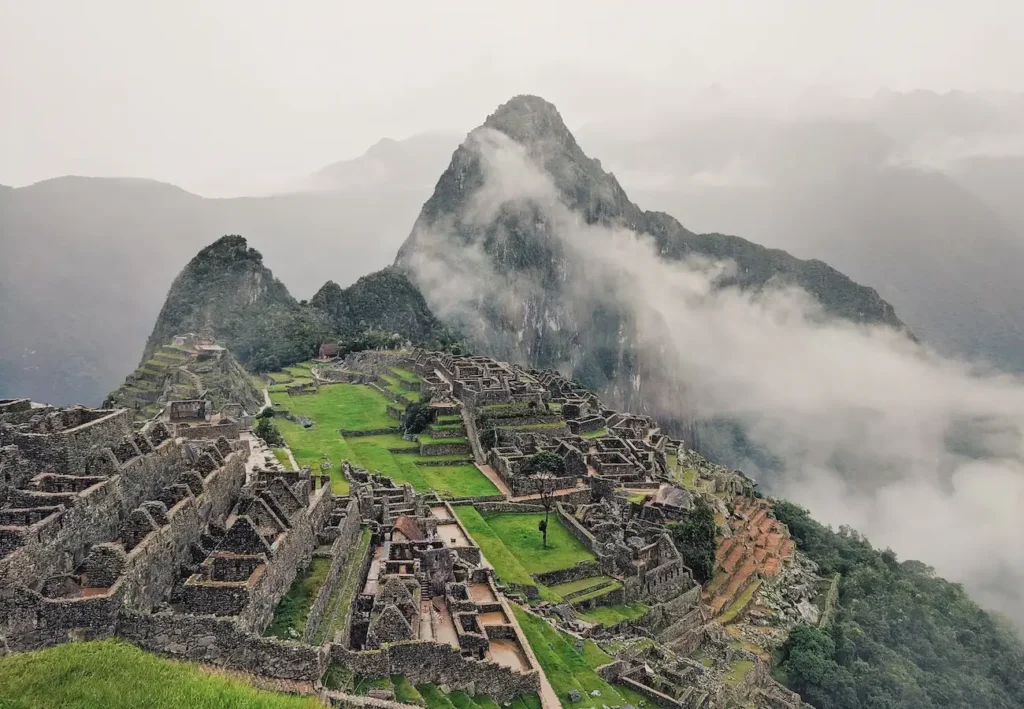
169 544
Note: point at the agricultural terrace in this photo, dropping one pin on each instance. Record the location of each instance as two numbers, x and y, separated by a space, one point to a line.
116 675
356 407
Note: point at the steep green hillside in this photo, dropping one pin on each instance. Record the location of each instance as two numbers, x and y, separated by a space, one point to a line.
902 636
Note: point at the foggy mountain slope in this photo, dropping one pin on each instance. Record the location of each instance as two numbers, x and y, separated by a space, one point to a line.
932 243
413 163
543 315
88 262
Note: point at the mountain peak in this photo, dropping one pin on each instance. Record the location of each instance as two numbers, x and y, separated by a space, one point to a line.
525 118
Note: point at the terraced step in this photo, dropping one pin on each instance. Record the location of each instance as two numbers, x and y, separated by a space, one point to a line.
461 700
739 605
579 586
593 593
434 697
405 692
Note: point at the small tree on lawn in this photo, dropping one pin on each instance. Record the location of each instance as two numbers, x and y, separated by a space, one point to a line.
546 488
266 430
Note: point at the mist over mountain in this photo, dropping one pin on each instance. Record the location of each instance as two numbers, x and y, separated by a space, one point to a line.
917 195
534 316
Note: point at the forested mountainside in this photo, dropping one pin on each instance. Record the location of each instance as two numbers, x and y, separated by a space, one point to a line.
902 636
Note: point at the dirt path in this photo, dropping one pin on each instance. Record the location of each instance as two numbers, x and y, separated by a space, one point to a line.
492 475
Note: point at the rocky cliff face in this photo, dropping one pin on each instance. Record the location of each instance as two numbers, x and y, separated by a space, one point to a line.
503 251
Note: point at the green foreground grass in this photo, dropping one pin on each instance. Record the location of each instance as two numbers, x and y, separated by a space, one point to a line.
361 408
109 674
568 668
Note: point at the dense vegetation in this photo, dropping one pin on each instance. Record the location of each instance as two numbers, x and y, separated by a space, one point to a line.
696 539
115 675
384 301
902 637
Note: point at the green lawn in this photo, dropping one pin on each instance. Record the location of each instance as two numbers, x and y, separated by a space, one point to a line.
599 433
110 674
519 533
282 457
293 610
405 692
350 406
513 546
405 375
506 565
357 407
568 668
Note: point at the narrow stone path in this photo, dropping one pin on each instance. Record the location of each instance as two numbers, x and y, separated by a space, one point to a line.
492 475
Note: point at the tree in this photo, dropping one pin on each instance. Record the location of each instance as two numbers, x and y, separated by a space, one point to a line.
418 415
266 430
546 488
697 538
545 462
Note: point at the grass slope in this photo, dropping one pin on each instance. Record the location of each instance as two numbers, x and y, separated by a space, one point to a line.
113 675
506 565
568 669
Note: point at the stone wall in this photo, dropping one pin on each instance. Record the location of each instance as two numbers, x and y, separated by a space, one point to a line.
509 507
341 550
291 553
368 432
582 570
221 641
578 530
437 663
227 429
96 517
445 449
66 451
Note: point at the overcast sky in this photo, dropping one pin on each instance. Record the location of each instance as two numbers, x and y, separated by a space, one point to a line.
229 97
